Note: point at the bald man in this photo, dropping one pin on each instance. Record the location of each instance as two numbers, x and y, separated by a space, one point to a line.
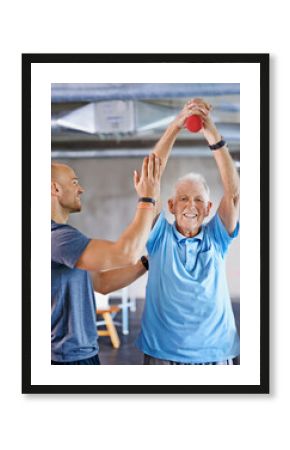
73 255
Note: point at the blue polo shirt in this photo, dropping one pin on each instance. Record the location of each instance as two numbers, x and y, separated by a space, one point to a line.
188 315
73 309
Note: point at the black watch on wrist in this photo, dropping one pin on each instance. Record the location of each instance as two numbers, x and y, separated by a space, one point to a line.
147 200
145 262
218 145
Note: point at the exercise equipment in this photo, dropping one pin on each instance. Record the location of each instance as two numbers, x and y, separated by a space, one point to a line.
194 123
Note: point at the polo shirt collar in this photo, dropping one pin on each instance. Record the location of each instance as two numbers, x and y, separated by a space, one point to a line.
180 237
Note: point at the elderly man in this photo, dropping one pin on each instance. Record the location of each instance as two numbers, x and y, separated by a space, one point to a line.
188 318
73 309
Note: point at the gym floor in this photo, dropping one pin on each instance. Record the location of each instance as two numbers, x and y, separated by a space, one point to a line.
128 353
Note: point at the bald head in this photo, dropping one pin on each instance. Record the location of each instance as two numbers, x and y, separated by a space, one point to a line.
59 171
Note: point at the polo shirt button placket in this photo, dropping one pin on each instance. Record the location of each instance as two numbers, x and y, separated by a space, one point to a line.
189 255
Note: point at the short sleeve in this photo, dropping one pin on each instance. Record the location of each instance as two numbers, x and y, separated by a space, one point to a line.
156 233
219 233
67 245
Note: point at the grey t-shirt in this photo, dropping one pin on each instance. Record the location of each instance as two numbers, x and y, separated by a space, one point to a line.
73 309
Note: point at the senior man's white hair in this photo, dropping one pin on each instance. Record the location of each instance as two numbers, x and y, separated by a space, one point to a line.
195 178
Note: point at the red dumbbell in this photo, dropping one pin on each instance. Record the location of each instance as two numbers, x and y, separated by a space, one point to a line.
194 123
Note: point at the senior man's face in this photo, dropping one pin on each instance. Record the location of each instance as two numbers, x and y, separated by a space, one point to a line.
190 207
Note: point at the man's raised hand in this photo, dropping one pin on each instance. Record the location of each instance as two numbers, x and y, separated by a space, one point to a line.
148 183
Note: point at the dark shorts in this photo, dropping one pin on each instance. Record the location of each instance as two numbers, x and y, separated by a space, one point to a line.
150 360
93 361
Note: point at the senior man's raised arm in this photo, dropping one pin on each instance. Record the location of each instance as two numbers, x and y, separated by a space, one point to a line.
164 146
101 254
229 206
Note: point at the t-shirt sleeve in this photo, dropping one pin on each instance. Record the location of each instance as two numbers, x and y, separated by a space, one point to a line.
156 233
220 234
67 245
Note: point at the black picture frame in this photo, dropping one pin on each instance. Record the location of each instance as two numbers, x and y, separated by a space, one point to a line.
263 61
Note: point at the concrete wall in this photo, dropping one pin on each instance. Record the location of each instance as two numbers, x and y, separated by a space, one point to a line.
110 200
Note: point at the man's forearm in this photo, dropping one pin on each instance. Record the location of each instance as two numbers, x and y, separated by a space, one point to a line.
163 149
225 163
134 238
228 172
112 280
164 146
